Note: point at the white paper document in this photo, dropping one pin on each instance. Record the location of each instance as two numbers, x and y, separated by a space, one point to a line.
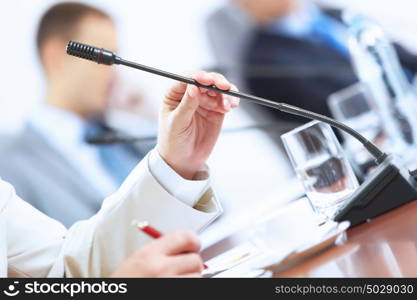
276 242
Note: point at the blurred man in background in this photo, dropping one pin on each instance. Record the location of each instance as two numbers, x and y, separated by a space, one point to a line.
288 50
51 154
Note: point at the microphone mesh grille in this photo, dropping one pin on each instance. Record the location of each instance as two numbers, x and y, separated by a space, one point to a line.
82 51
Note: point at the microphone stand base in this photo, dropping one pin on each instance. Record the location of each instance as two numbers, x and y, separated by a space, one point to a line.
389 186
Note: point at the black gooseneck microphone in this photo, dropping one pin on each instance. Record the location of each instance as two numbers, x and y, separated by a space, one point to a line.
388 187
106 57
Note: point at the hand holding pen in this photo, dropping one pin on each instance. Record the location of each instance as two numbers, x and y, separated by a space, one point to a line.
172 255
151 231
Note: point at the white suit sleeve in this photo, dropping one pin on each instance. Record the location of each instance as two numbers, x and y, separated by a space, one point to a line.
188 191
39 246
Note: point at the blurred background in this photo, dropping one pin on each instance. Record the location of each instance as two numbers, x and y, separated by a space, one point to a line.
166 34
250 172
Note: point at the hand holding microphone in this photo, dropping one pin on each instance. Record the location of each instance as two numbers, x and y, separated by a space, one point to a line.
106 57
192 114
190 122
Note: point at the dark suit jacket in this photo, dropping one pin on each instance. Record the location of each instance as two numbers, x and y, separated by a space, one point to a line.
301 72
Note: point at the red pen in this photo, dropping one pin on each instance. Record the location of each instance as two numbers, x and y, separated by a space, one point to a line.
149 230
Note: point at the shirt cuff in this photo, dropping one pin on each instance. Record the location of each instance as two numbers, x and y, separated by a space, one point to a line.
187 191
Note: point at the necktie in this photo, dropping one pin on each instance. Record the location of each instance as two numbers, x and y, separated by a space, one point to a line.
117 159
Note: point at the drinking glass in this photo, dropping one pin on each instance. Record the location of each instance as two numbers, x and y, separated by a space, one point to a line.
354 107
321 165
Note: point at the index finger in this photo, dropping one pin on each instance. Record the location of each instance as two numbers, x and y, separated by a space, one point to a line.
177 90
180 242
220 81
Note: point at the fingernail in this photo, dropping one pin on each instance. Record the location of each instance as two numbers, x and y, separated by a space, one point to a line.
191 91
225 82
235 101
211 93
226 104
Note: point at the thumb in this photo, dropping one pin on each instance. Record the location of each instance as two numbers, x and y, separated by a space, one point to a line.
189 102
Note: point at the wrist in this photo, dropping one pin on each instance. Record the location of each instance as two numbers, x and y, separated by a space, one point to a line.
183 167
185 173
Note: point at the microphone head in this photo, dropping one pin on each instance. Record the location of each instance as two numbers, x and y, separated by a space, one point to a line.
98 55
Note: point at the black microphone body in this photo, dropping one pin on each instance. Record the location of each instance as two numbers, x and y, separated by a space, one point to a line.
388 187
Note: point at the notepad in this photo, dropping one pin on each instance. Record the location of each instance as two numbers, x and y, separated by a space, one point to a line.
277 243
